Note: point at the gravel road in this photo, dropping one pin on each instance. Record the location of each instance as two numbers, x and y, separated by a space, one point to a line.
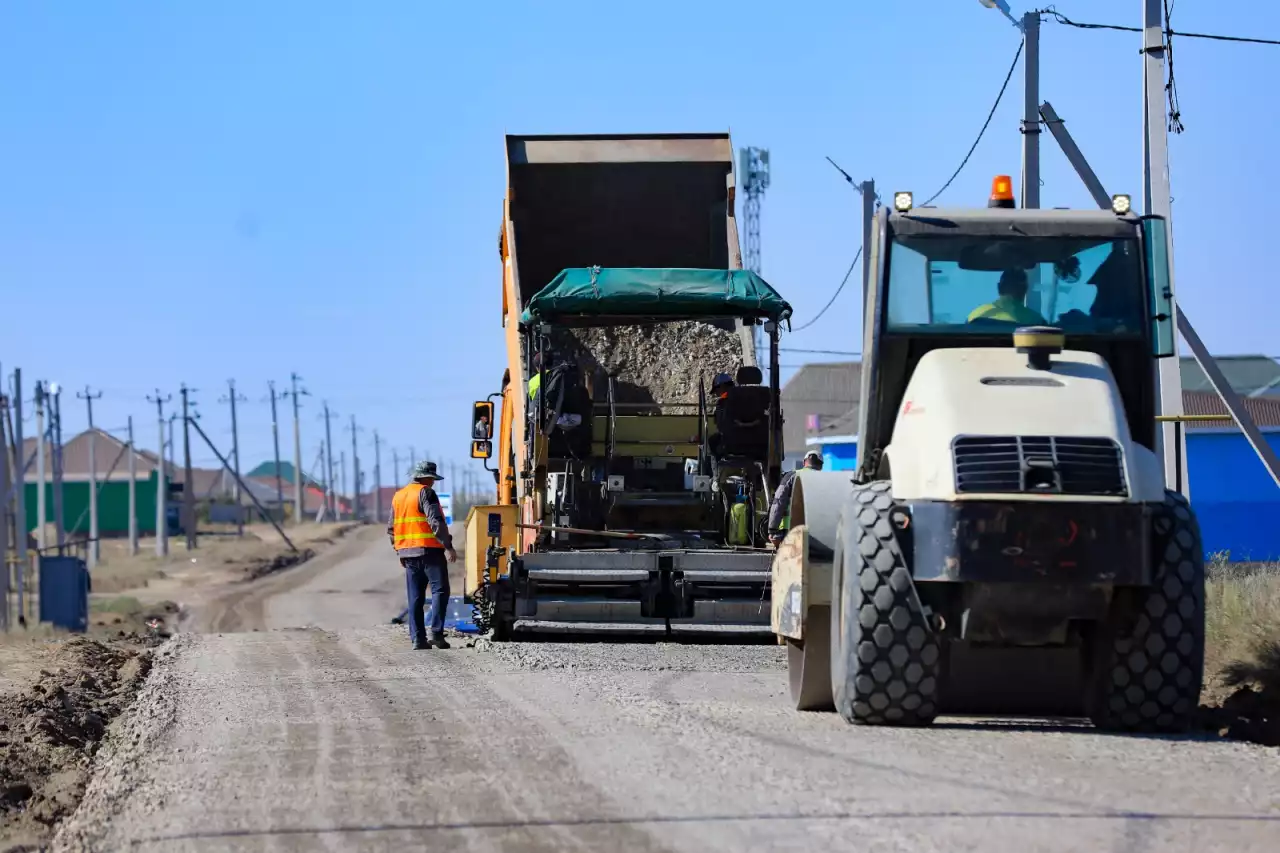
337 736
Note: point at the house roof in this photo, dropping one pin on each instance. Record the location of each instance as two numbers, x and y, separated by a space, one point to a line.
825 389
267 472
108 450
1248 374
1265 411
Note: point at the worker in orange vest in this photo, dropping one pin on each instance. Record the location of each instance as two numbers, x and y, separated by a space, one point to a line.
421 538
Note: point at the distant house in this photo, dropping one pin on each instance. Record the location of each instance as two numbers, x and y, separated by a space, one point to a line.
1249 375
816 396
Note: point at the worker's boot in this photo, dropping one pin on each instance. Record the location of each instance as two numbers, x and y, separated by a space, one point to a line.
439 641
421 645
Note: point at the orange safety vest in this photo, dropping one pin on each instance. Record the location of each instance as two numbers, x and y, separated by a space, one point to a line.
409 527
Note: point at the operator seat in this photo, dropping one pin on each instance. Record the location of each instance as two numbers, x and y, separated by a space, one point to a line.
743 418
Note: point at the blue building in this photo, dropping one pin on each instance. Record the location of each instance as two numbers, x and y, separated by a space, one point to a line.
1236 501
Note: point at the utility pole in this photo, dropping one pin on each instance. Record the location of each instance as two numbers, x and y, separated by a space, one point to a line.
355 468
868 193
1031 110
1157 201
275 440
188 490
330 504
42 510
60 529
232 398
395 466
20 477
94 553
342 483
298 504
21 498
377 477
162 478
133 492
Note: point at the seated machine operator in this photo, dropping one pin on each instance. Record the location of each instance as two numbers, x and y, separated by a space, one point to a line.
1010 306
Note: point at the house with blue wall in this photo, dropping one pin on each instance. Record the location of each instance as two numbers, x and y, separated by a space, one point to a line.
1236 501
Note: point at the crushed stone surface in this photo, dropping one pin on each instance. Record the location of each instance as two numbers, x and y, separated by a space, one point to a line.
344 738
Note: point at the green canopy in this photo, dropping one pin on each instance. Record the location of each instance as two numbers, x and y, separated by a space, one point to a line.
585 296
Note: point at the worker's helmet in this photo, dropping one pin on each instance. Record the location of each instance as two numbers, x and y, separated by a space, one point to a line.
814 460
722 380
424 471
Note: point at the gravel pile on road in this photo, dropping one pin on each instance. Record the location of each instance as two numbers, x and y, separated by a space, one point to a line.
660 363
637 657
50 732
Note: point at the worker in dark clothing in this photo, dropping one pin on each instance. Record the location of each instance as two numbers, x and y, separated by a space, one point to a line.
780 508
421 538
720 387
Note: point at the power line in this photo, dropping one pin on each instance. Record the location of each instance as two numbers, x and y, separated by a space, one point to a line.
819 351
1016 56
843 282
1063 19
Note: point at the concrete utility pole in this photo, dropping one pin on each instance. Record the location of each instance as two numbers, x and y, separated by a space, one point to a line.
133 492
42 510
330 504
188 490
59 523
20 477
395 466
275 440
342 483
298 504
1031 110
377 477
232 397
1156 200
162 478
355 469
94 553
868 193
4 510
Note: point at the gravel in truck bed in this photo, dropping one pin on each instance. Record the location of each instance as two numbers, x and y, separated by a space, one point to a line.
660 363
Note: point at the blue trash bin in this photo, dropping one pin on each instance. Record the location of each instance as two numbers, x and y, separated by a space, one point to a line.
64 592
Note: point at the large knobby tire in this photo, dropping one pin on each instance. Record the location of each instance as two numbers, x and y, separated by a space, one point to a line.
1149 659
885 658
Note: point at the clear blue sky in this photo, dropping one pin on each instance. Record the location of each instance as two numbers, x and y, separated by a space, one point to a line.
192 192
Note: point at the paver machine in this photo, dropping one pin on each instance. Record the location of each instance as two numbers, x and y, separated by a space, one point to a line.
630 498
1006 544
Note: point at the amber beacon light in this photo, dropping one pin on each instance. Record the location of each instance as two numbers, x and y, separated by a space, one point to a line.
1001 192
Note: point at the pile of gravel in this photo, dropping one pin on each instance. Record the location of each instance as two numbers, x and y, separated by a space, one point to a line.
660 363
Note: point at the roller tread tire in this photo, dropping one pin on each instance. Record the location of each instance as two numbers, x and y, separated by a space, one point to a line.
886 660
1150 664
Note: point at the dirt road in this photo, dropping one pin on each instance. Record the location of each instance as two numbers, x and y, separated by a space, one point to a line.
339 737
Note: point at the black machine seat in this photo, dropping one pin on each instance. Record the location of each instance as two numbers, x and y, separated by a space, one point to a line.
742 418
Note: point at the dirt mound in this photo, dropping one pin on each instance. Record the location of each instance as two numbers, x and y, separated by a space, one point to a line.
660 363
50 732
1252 712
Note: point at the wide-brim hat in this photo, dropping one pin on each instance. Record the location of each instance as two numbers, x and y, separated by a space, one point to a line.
425 471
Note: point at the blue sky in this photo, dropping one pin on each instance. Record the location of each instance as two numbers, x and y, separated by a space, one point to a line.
192 192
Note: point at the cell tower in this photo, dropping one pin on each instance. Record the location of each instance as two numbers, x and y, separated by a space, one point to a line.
755 180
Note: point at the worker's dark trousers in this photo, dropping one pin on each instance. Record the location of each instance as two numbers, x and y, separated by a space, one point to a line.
431 568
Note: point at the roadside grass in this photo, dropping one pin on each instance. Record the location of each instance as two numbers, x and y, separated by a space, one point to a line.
1242 650
1242 621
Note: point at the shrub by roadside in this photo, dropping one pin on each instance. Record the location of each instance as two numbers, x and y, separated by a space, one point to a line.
1242 650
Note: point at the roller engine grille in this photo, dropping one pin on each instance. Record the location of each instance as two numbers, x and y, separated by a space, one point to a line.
1054 465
